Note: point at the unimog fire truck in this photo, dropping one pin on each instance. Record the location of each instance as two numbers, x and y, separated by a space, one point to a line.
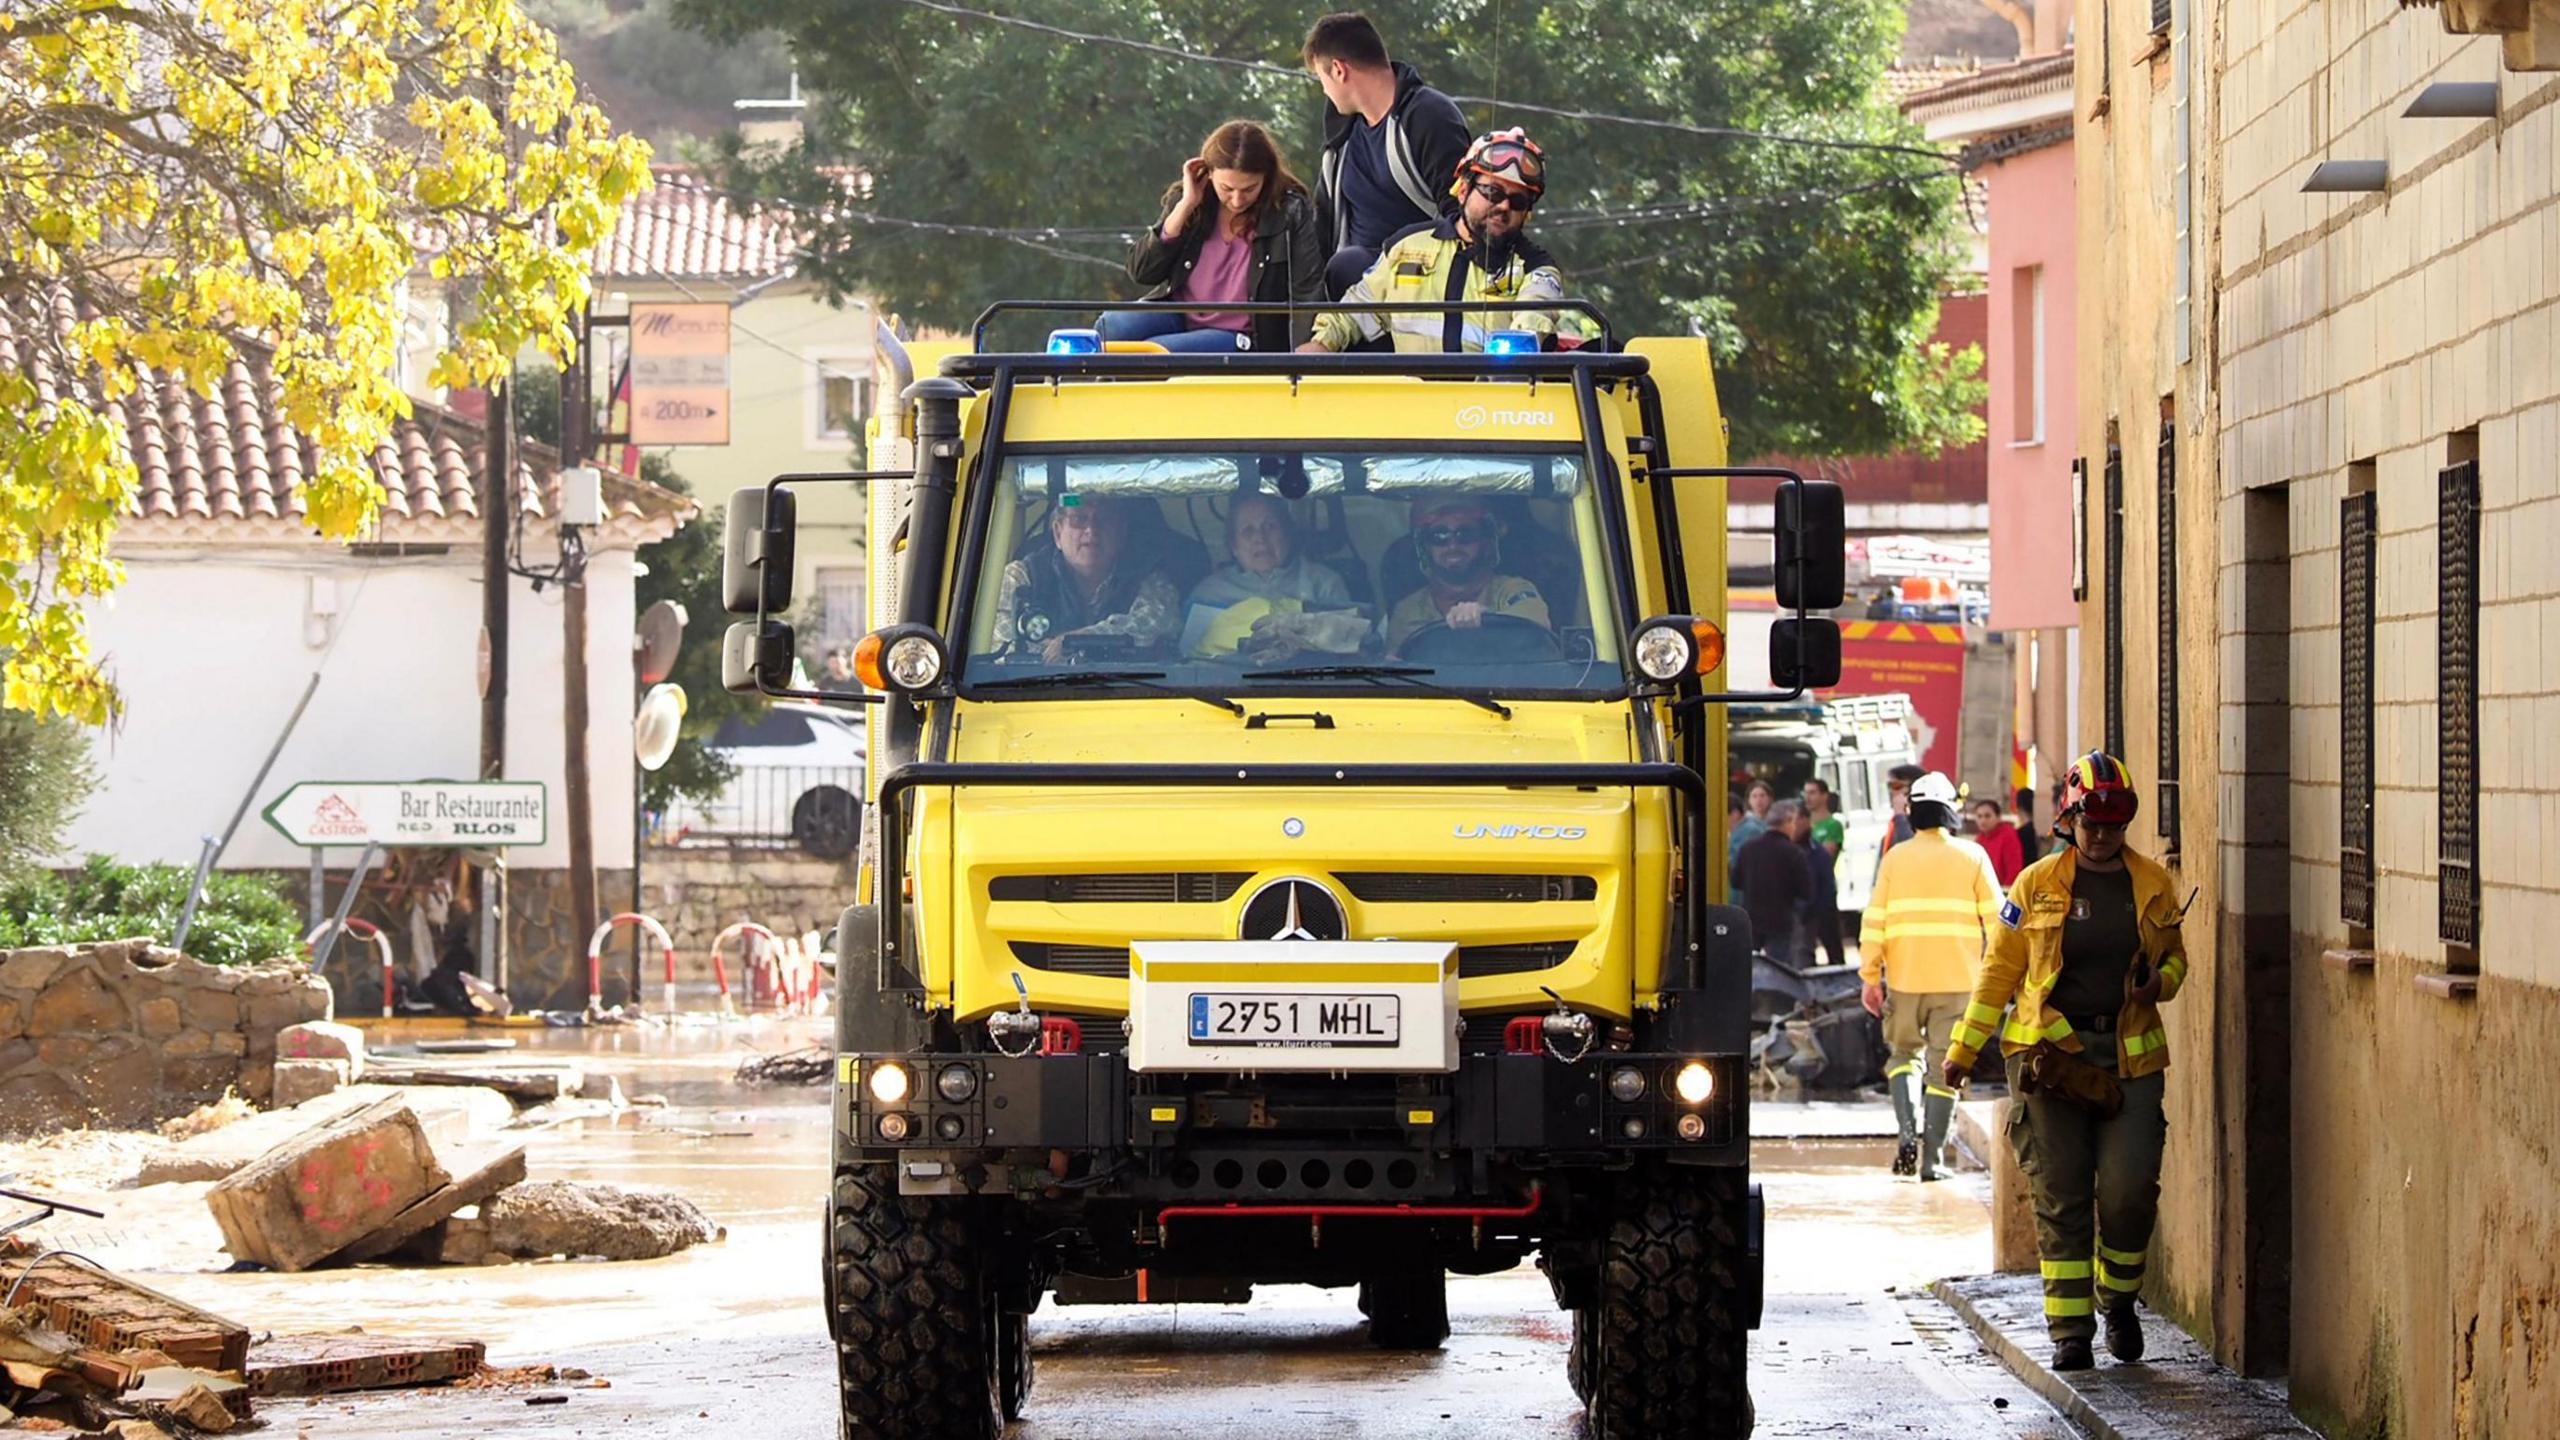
1294 853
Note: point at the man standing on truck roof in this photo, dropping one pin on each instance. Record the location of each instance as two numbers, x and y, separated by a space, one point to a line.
1478 253
1390 145
1933 914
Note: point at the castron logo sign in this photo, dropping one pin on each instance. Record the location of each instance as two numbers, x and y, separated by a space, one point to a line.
334 816
1476 417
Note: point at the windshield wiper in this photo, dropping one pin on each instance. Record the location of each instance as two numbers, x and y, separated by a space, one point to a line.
1404 674
1136 679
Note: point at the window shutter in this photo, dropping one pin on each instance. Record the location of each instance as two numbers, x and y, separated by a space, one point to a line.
2114 521
2458 704
2355 711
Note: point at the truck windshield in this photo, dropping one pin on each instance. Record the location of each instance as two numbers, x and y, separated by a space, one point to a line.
1483 570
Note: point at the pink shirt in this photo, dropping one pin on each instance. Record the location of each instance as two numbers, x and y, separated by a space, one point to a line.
1219 275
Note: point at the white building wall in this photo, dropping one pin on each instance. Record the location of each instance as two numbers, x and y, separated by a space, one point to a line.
211 646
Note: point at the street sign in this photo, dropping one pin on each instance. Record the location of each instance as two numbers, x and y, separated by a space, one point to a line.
412 812
680 374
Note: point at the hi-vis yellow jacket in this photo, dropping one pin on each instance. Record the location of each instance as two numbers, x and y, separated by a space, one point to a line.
2026 960
1935 907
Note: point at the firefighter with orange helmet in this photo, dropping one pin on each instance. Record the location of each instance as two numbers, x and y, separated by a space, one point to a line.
2086 952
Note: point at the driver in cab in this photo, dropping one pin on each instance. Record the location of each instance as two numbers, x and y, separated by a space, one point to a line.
1458 544
1084 583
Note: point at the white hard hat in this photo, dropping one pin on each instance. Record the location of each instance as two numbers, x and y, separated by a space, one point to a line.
1933 787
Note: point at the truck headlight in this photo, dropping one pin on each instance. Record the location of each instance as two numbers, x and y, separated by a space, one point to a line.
1626 1084
890 1082
956 1083
1693 1082
904 659
1669 647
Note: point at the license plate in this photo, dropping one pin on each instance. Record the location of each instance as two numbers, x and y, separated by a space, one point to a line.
1289 1021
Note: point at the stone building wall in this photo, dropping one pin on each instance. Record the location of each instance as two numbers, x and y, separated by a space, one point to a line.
126 1033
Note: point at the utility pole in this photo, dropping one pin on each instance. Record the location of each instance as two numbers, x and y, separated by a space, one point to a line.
576 791
497 512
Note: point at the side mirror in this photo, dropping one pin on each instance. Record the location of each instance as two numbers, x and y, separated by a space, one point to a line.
754 660
757 551
1813 544
1804 654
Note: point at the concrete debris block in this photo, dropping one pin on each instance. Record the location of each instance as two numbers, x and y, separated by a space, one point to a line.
209 1403
299 1080
563 1217
323 1040
113 1313
131 1429
314 1195
452 1114
477 1178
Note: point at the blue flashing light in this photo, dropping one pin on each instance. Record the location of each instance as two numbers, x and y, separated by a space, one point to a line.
1075 342
1511 342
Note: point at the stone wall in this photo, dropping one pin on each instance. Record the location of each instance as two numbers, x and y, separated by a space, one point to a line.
127 1033
696 891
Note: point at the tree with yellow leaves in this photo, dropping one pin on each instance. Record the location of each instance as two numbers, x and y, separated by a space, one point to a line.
179 178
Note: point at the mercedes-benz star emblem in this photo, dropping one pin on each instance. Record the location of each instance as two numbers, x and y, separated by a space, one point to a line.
1294 908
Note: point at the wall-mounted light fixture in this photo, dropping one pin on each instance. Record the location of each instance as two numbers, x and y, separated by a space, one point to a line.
2348 176
2455 100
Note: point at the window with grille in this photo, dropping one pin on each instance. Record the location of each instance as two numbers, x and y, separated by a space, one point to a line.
2355 711
2113 519
2166 783
2458 704
2161 15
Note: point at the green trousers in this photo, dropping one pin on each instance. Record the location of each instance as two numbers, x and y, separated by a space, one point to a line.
2097 1191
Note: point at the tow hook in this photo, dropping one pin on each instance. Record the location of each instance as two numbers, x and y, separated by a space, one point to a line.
1015 1033
1569 1034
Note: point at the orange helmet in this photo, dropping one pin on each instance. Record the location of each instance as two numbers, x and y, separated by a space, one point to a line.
2100 787
1509 156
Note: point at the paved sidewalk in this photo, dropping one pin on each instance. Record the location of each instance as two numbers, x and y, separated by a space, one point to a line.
2177 1392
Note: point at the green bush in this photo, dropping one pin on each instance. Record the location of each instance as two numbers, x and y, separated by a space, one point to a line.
243 919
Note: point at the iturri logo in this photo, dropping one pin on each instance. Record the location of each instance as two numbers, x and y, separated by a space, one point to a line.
1476 417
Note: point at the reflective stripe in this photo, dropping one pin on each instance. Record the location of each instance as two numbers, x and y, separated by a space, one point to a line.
2173 971
2121 1284
2066 1269
2131 1259
2070 1305
2025 1034
1984 1015
1919 906
1971 1037
1898 1071
1939 1090
2146 1042
1930 930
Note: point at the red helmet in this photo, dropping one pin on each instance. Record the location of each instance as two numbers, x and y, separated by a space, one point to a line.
2100 787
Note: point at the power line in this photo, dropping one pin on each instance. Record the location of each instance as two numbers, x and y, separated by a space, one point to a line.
1264 67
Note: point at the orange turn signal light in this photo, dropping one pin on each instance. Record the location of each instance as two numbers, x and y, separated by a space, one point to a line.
1710 645
866 661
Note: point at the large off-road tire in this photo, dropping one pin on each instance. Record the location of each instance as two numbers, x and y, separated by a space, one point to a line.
1013 1363
916 1321
1582 1361
1407 1310
1674 1309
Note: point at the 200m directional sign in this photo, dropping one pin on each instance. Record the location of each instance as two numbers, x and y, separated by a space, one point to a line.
411 812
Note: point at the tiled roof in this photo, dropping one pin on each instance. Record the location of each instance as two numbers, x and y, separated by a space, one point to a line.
1906 78
685 230
2045 74
228 466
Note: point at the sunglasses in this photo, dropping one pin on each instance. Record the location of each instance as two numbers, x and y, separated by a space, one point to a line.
1454 535
1503 196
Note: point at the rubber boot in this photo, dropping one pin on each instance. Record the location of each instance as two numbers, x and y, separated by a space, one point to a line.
2124 1331
1906 1150
1933 1140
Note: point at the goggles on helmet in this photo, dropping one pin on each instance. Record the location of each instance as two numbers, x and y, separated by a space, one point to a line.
2108 807
1510 156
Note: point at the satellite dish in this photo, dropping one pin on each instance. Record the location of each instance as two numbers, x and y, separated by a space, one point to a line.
660 722
661 632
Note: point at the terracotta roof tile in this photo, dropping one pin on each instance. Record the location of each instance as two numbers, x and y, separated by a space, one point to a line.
230 464
687 230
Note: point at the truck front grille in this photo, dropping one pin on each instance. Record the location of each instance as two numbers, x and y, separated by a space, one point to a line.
1111 962
1463 887
1163 887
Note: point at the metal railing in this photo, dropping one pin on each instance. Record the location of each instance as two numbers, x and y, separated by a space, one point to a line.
817 808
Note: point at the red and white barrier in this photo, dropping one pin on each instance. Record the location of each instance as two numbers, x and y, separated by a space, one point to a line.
720 972
595 958
367 931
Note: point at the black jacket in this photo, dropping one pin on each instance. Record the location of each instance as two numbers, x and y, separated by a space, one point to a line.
1426 138
1772 875
1288 264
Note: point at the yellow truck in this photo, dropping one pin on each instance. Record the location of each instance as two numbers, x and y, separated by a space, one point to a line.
1293 855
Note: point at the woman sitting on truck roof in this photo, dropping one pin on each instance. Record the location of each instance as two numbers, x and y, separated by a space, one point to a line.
1237 226
1269 602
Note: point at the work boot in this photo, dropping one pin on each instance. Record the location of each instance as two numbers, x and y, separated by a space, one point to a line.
1906 1150
2124 1331
1933 1142
2072 1354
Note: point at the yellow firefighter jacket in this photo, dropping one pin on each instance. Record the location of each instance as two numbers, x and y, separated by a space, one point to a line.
1935 907
2026 960
1431 264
